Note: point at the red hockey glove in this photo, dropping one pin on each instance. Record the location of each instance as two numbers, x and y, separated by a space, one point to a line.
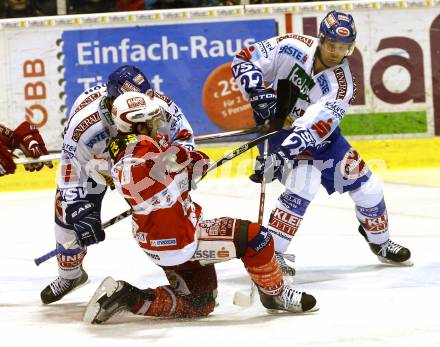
7 165
183 135
197 168
28 139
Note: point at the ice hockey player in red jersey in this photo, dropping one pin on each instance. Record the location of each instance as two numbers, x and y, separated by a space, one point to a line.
26 138
155 177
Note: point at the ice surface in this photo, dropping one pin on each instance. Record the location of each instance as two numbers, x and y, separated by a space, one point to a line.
363 302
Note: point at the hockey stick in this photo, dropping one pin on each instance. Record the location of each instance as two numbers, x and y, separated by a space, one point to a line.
247 299
228 157
198 139
69 244
287 95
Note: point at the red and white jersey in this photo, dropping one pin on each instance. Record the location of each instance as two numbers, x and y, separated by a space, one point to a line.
86 136
164 217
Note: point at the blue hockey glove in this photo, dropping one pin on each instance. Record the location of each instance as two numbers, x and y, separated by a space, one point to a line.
272 168
86 223
263 102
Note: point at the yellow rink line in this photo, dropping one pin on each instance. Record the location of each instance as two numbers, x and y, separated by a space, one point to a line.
410 161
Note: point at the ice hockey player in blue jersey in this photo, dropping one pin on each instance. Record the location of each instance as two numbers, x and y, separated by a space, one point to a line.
320 69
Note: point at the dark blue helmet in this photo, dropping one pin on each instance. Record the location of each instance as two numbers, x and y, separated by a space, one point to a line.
127 78
338 26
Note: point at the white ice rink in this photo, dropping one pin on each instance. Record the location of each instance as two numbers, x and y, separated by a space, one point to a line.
363 303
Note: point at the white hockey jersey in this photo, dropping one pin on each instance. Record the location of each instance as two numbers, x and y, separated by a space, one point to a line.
324 97
86 134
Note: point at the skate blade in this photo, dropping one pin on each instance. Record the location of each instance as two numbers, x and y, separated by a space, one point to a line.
395 263
107 287
284 312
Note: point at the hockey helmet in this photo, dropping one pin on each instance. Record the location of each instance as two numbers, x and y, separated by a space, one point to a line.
132 107
127 78
340 27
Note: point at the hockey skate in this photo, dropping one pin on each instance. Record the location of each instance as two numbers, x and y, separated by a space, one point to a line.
389 252
289 300
110 298
288 271
61 287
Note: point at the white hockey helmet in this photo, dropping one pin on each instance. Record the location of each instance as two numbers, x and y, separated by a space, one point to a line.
132 107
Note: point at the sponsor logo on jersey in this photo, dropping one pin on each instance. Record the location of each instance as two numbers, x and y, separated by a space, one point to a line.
284 221
97 138
163 242
84 125
136 102
292 51
342 83
352 165
306 40
302 80
87 101
68 151
323 84
164 98
337 111
265 47
353 98
152 255
141 237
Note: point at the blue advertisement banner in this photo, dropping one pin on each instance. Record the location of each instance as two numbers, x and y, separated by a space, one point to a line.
190 63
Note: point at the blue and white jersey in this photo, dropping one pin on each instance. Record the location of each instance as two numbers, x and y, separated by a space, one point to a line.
324 97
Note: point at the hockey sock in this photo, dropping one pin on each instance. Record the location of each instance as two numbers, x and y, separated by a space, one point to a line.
164 302
286 218
70 262
374 221
260 261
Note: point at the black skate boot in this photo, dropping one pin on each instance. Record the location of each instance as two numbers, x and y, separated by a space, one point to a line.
288 271
289 300
62 286
112 297
389 252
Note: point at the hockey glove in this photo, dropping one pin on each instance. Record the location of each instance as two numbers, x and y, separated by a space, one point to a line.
263 102
28 139
272 168
197 167
7 165
86 223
